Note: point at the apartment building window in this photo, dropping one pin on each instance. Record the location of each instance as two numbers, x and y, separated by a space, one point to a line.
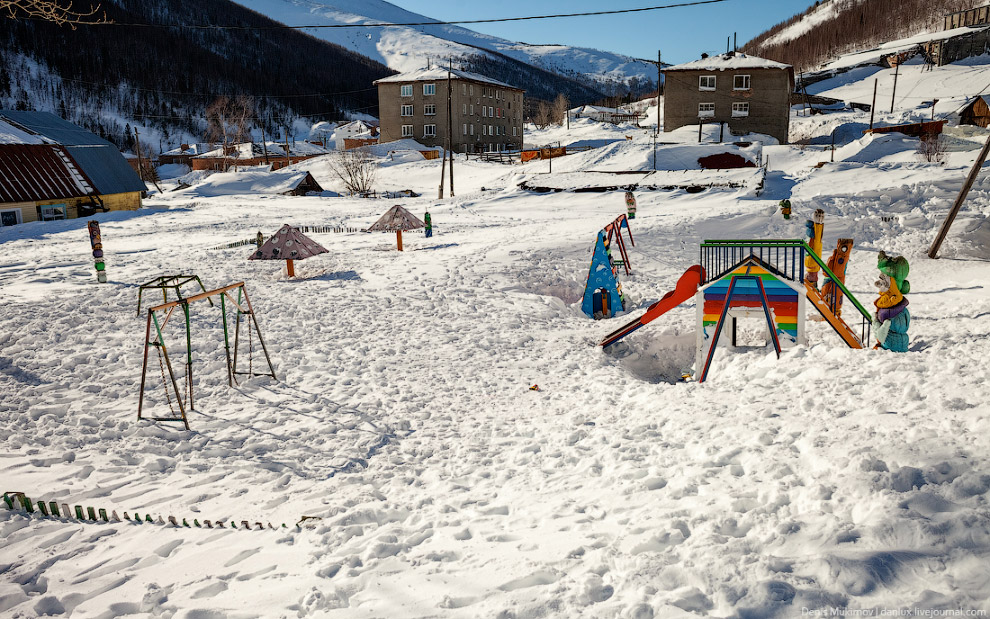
740 109
706 82
491 111
430 109
407 131
472 128
406 90
463 89
472 109
464 108
706 110
484 111
464 130
514 131
484 129
740 82
429 89
471 90
407 110
429 131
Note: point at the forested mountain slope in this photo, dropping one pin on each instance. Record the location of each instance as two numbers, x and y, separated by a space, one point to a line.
834 27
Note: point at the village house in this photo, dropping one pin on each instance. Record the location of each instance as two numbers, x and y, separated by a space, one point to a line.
51 169
184 153
748 94
250 154
486 115
976 112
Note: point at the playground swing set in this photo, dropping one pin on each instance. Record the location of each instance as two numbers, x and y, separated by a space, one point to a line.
160 315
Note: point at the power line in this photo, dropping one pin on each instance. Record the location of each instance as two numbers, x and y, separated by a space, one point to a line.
426 23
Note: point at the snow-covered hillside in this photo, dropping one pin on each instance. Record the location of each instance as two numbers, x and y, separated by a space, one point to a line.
406 48
827 482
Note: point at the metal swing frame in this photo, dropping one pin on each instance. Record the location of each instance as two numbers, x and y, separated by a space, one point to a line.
157 340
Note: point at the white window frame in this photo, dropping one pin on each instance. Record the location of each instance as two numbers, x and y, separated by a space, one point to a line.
53 212
464 130
491 111
429 89
472 128
704 111
430 109
747 82
17 214
407 131
514 131
464 109
405 90
484 112
703 82
429 131
472 109
406 110
740 109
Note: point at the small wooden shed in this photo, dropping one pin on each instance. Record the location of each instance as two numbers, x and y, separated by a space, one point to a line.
976 112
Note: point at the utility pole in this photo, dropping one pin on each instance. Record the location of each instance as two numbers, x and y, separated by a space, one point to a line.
137 146
873 107
897 69
973 173
659 80
264 144
450 126
735 47
288 161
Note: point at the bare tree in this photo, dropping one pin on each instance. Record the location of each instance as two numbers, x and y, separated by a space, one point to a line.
57 11
356 168
559 108
931 148
228 122
542 117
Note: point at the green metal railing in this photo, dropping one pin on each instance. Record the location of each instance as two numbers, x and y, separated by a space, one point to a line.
786 257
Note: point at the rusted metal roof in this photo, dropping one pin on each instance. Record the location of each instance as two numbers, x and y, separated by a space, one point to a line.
30 172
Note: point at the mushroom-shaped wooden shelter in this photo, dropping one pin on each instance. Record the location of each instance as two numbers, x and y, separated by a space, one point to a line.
396 220
288 244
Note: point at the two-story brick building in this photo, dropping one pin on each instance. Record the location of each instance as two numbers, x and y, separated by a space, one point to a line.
486 115
749 94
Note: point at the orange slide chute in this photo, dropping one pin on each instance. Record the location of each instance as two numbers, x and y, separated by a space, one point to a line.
686 288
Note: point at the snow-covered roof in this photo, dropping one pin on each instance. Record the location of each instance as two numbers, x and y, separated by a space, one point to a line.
875 55
437 74
252 182
9 134
729 61
252 150
192 149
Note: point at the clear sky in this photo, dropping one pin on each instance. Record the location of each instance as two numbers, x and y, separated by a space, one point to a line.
681 34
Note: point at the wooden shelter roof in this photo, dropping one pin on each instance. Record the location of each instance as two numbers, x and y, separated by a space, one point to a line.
288 244
396 218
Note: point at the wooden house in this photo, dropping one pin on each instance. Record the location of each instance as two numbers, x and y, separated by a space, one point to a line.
976 112
51 169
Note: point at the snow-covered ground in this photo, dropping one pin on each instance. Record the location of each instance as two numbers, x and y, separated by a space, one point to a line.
402 416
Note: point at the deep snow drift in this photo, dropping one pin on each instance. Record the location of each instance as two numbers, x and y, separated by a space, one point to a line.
402 415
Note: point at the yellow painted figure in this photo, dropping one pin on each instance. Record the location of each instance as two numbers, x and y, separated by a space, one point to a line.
815 227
